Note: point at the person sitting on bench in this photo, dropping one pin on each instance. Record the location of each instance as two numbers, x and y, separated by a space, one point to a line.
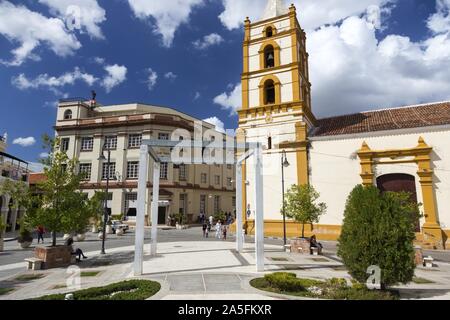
78 252
314 244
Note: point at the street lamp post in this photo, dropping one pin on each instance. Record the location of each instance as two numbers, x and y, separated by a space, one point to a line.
105 213
284 164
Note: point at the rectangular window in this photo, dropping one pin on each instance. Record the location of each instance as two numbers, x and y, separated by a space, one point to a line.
233 201
204 178
85 171
203 204
183 172
134 140
229 166
133 170
111 142
163 172
163 136
229 182
109 172
87 144
65 144
217 180
216 204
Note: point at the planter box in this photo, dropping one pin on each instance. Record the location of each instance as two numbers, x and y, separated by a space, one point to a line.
301 246
54 257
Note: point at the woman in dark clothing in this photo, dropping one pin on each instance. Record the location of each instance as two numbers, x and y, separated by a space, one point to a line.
314 244
78 252
204 227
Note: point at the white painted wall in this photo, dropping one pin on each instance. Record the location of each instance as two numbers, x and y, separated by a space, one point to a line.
335 169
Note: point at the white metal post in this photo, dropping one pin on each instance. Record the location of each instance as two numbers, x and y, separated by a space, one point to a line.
140 218
239 236
156 176
259 214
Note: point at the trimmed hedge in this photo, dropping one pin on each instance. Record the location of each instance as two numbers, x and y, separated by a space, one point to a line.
125 290
335 289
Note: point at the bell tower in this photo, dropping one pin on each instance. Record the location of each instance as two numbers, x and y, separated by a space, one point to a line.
276 99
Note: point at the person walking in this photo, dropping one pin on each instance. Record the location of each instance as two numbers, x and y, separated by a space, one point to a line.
211 220
40 233
218 230
205 229
224 232
208 229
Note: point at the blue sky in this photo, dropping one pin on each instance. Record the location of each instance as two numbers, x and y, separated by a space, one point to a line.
168 61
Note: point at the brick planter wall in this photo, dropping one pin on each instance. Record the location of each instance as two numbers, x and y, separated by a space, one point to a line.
300 246
54 257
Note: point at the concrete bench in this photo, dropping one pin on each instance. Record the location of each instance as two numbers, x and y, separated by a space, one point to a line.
287 247
34 263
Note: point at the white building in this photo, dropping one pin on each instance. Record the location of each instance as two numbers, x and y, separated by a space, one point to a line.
189 189
13 169
401 149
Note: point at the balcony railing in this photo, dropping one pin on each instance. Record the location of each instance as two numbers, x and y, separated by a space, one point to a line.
13 168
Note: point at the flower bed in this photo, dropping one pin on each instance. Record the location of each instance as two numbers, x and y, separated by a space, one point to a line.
125 290
335 289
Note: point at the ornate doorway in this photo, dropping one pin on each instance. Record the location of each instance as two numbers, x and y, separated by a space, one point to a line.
399 183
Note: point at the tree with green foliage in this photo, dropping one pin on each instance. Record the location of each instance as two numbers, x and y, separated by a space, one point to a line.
96 207
300 204
60 206
379 230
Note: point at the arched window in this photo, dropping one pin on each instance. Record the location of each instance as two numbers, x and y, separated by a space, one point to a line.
269 143
68 115
269 92
269 57
269 32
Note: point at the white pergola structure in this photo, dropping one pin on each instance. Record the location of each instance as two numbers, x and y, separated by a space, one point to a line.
147 151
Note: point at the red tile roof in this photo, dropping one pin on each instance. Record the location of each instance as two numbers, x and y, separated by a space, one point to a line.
36 178
426 115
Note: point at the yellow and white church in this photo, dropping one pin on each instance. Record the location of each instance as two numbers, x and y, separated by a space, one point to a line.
397 149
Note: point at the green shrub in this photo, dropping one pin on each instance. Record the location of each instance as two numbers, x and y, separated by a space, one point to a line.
284 281
126 290
378 229
335 289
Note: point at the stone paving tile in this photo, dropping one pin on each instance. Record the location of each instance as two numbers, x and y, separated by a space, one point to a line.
186 283
222 283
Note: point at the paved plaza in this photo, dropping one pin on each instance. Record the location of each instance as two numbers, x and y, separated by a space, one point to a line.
189 267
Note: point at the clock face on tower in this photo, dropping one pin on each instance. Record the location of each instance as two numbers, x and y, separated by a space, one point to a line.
269 118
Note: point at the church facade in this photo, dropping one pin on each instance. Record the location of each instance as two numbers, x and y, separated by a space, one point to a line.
398 149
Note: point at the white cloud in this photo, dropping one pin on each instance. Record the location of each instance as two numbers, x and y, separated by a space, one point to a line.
220 126
167 15
152 79
99 60
85 15
440 21
31 29
351 70
312 13
208 41
197 95
231 100
25 142
115 75
51 82
170 76
43 155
